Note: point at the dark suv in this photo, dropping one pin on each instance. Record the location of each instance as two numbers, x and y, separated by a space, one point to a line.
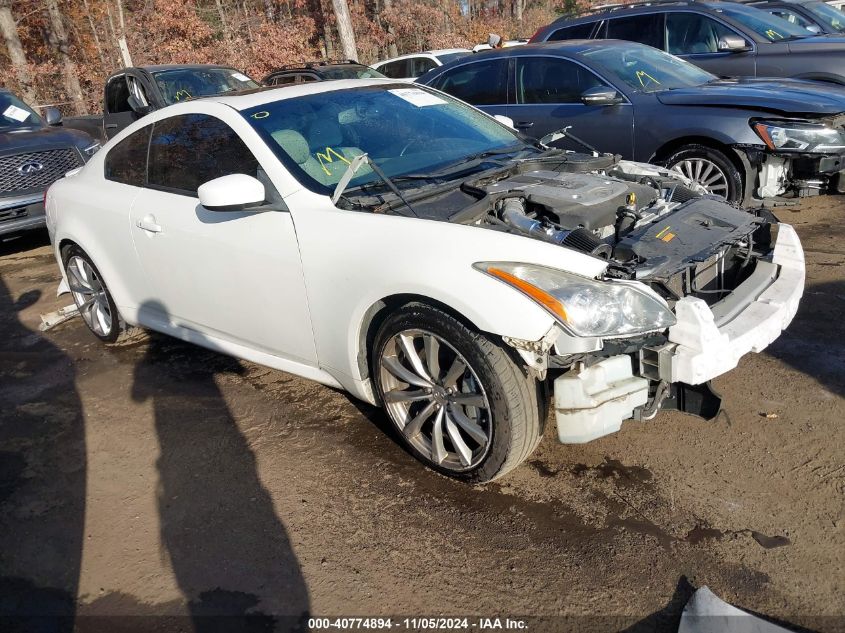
726 38
34 153
320 71
813 15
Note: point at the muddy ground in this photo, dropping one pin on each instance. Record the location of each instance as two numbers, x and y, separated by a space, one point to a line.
159 479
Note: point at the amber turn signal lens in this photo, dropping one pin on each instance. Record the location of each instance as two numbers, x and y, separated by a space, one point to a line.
541 296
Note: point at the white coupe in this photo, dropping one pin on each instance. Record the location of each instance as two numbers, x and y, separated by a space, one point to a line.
401 245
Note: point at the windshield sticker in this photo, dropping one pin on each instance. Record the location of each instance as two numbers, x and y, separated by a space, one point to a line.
641 74
417 97
329 157
15 113
241 77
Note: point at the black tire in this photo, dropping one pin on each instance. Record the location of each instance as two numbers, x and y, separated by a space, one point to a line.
112 334
514 420
732 175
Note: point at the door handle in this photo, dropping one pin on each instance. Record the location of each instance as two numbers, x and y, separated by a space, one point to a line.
148 223
524 124
110 126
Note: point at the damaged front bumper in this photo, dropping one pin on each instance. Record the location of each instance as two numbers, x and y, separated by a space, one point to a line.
706 342
773 174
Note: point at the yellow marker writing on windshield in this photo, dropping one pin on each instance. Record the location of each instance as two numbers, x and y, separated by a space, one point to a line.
641 74
329 157
774 35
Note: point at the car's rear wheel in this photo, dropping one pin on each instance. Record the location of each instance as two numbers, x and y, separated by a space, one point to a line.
708 167
460 402
91 295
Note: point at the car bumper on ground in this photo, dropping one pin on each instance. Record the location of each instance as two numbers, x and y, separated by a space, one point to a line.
706 342
21 213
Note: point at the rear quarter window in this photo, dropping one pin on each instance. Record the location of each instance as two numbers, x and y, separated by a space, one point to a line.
126 162
577 32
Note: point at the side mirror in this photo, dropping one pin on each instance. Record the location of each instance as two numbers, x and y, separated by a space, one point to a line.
505 120
52 116
137 108
733 44
600 96
236 192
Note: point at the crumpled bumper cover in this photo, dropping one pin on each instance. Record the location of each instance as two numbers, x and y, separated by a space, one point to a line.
704 350
596 400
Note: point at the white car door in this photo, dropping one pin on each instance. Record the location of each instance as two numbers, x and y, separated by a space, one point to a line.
233 275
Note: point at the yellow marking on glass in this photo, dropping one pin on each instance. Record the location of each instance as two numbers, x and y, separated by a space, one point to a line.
261 115
641 74
327 158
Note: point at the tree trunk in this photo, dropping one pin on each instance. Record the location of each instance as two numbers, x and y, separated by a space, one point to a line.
392 51
121 39
269 10
344 29
221 13
94 33
517 12
60 43
9 29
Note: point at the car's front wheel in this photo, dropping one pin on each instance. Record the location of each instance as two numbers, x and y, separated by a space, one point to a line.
91 295
708 167
458 399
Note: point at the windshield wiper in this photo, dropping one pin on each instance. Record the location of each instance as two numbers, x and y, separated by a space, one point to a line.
354 166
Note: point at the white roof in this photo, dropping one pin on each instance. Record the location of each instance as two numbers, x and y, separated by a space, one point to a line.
246 101
439 51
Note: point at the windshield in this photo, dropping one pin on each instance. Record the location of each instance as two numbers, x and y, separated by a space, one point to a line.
826 14
450 57
407 131
181 84
15 113
765 24
353 72
645 68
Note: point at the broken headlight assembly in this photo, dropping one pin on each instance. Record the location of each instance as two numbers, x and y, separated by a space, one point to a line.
795 136
586 307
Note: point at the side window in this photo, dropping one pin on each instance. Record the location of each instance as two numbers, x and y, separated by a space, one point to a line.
577 32
395 70
190 149
126 162
791 17
691 33
306 78
282 80
645 29
421 65
117 95
551 80
478 83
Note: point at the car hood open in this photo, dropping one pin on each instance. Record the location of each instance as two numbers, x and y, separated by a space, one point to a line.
784 96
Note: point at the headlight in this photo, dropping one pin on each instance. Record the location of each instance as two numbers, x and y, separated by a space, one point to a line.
799 137
91 149
584 306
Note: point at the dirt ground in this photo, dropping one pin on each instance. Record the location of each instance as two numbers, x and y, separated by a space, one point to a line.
159 479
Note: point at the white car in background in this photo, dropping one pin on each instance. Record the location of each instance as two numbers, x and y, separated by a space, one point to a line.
409 67
397 243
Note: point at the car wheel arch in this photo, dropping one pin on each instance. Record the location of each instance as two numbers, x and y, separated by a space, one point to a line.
380 310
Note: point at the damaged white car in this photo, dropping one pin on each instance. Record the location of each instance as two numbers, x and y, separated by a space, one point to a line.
396 243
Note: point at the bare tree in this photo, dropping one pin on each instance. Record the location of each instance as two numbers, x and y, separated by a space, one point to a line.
59 41
392 51
344 29
517 11
9 29
94 33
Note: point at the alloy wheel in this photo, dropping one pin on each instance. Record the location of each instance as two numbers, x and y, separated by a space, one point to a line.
435 399
90 296
705 173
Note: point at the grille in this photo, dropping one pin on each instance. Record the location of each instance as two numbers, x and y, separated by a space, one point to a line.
54 164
